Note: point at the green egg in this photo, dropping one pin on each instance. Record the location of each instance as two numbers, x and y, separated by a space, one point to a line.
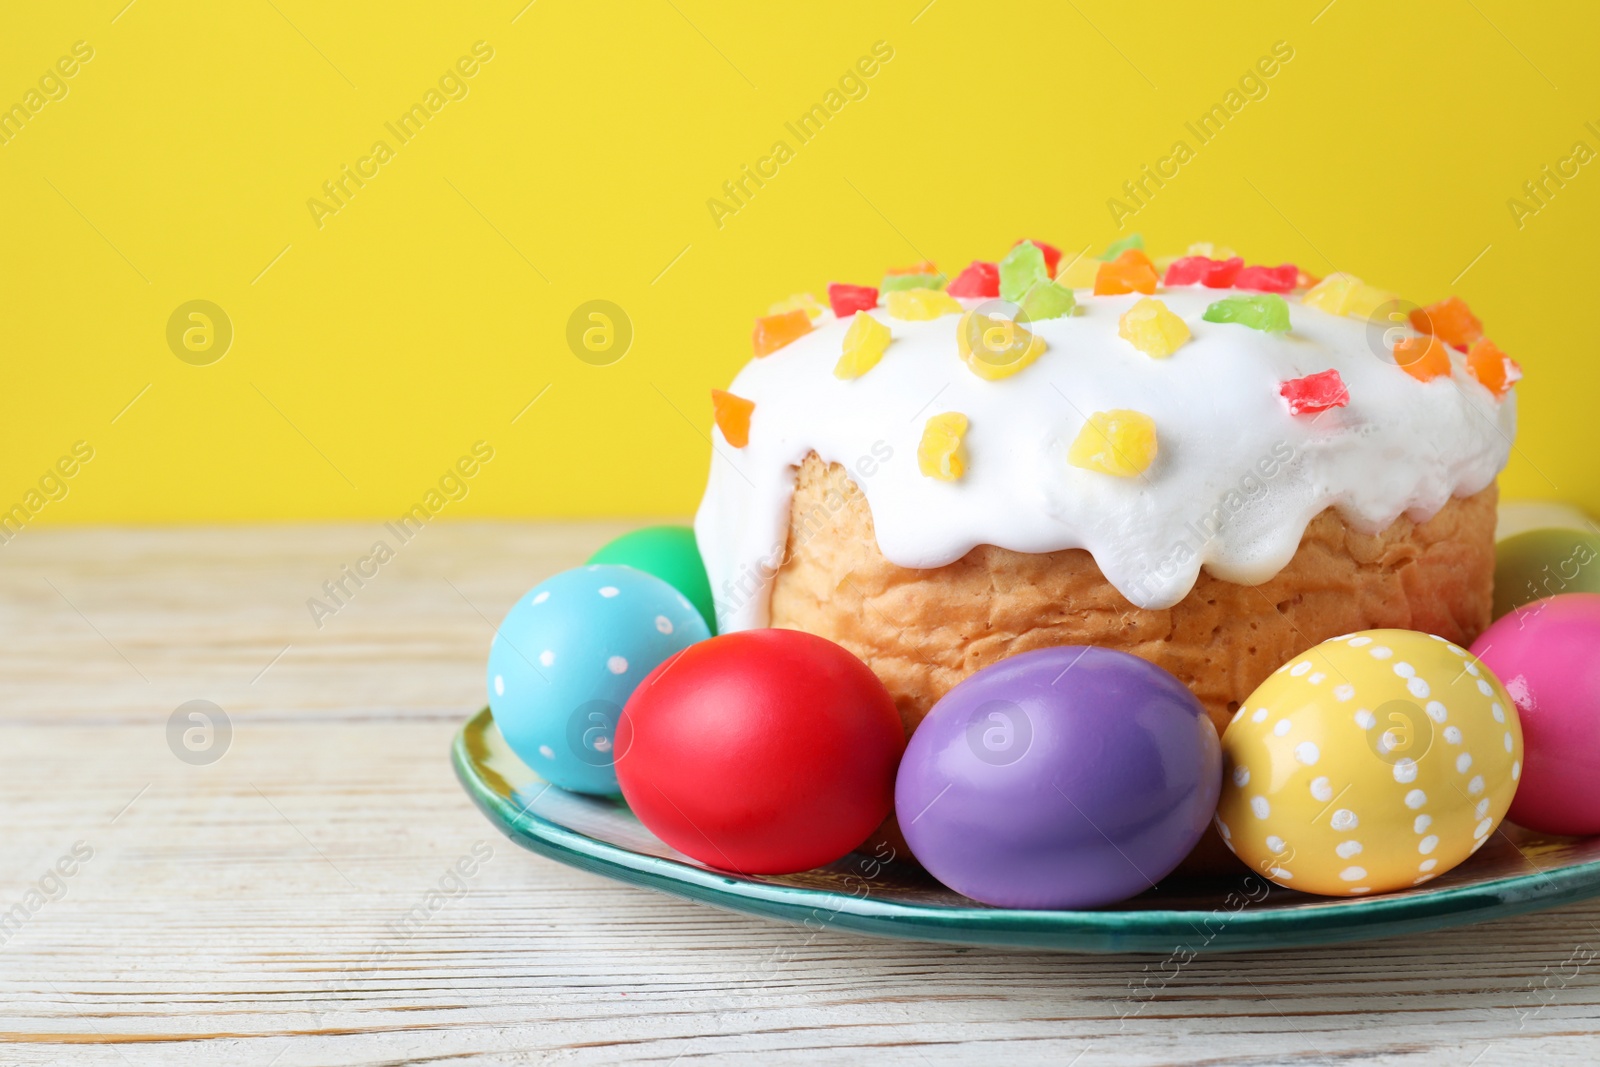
671 554
1535 564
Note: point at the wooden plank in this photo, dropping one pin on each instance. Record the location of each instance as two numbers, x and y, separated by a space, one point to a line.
273 907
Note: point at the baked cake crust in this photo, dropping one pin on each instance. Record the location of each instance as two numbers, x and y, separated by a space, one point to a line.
922 631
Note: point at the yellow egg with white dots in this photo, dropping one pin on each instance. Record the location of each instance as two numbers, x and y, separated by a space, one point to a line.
1373 762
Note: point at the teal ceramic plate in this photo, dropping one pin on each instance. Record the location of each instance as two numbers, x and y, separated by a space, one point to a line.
1516 872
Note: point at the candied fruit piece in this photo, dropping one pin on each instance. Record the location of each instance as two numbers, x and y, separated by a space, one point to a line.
922 280
1370 302
1186 270
1121 245
1267 312
1211 251
1052 255
995 347
1496 370
980 279
846 300
1332 294
775 331
1079 274
1152 328
1022 266
732 414
920 304
1047 300
1211 273
863 346
1130 272
1424 358
1314 393
1268 279
1450 320
1116 442
941 454
798 302
1345 294
925 267
1305 280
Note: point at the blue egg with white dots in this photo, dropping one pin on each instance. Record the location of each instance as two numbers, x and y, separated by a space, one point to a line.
568 656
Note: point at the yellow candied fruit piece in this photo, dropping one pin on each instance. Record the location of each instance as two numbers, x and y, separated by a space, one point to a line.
940 454
1118 442
1078 274
995 347
1345 294
1210 251
864 343
915 305
798 302
1152 328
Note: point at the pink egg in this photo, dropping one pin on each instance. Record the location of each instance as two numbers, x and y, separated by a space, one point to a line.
1544 653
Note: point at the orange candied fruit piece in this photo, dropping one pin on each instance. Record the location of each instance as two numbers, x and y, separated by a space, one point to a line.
733 416
1130 272
1449 320
1424 358
925 267
1496 370
775 331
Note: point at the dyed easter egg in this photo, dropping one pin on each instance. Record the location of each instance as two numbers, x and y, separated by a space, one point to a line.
1545 562
1373 762
1545 652
671 554
1065 777
762 752
567 657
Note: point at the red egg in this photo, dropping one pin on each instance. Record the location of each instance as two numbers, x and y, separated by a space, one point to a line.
761 752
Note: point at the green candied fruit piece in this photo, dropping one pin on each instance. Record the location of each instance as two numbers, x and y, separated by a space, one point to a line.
1267 312
894 282
1121 245
1047 300
1020 270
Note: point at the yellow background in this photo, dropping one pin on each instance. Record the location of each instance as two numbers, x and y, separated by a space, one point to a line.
432 308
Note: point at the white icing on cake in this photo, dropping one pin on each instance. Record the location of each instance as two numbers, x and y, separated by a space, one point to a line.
1234 484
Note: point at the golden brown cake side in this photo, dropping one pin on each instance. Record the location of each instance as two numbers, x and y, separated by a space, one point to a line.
922 631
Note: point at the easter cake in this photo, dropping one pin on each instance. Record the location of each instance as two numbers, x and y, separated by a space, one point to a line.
1209 465
1057 579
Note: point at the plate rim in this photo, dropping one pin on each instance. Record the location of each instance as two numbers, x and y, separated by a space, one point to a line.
1081 930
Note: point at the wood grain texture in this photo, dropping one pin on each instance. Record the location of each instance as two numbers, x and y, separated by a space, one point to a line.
272 909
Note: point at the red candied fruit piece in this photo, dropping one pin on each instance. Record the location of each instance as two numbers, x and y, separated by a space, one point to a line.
846 300
1281 279
1314 393
774 331
980 279
1211 273
1450 320
1052 255
1131 272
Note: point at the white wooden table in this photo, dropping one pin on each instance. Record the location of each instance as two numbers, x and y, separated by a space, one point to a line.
254 910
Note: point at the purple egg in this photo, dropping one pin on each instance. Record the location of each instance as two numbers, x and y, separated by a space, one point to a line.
1061 778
